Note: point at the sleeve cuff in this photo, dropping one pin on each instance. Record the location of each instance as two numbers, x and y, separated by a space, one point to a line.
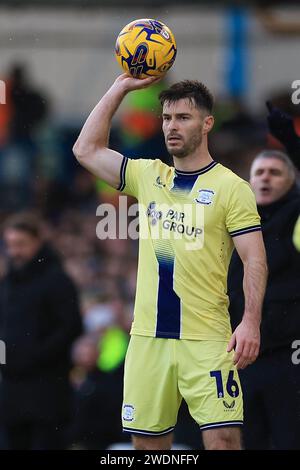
242 231
122 174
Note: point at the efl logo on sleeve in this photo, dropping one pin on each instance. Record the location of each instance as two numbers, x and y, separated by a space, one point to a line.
128 413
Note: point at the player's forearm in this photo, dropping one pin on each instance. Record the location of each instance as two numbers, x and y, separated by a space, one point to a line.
254 285
95 132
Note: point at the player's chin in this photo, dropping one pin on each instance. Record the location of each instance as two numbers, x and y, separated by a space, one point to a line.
177 150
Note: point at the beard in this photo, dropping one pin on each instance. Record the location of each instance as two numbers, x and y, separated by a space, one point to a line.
187 148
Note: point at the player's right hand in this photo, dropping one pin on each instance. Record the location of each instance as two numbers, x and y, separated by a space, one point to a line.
128 83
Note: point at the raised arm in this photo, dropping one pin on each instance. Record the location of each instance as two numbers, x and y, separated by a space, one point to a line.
246 337
281 125
91 148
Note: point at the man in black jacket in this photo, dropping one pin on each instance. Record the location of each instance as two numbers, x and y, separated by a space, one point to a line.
272 384
39 320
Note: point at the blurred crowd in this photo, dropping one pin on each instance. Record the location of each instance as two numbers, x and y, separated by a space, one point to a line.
39 173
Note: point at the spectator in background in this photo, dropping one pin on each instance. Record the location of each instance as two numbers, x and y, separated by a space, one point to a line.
96 422
26 109
272 384
39 320
29 106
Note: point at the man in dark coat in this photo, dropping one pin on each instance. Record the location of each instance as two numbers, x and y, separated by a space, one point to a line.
39 320
272 384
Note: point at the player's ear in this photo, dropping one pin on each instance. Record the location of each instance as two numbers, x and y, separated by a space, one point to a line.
208 124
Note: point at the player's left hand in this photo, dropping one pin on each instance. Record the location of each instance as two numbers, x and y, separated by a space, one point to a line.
245 341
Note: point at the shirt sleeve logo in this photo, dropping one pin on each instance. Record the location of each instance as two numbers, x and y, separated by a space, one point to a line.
128 412
205 196
159 183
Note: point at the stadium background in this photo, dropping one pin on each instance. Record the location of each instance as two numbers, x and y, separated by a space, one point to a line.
63 53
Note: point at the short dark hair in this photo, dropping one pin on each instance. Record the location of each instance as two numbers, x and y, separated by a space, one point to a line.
24 222
195 91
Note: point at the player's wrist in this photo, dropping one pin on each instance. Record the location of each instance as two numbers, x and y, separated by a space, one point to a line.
251 318
118 90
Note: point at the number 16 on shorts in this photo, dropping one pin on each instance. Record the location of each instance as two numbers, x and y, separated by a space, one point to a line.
231 385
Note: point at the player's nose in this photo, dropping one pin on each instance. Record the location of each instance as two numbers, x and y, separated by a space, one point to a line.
173 124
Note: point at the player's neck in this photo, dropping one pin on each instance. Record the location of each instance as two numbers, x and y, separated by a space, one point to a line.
193 162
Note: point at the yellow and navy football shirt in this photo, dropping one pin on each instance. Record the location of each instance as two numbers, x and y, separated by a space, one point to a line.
187 222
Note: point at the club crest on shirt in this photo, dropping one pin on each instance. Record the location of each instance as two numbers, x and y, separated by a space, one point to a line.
205 196
128 412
